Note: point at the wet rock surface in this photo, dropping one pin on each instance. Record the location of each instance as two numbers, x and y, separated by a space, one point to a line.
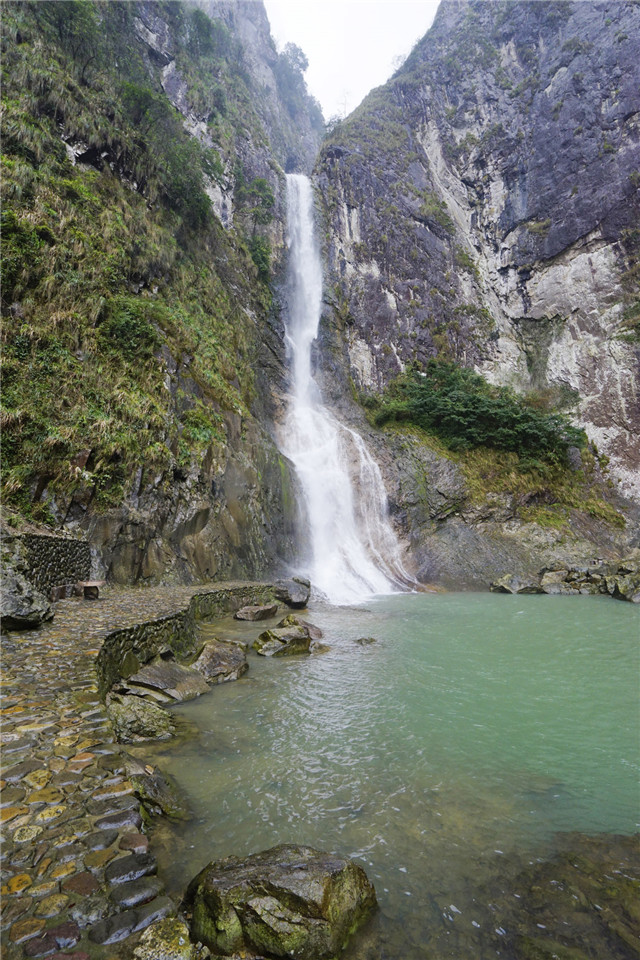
295 592
135 719
288 901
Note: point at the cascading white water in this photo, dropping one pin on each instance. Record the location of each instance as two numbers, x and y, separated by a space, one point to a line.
355 550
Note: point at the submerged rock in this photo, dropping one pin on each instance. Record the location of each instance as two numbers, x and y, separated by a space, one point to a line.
135 719
257 613
158 792
219 662
290 901
283 642
365 641
295 592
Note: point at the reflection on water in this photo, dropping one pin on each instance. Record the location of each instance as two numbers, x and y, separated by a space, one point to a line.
443 757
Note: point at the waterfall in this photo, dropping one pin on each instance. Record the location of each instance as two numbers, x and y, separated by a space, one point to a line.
355 552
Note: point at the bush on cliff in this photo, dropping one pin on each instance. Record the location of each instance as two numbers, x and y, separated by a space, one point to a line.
466 412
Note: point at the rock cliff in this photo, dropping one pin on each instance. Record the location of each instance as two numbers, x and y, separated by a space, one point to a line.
143 221
484 206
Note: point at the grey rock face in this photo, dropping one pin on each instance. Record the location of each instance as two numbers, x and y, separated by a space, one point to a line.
288 901
483 205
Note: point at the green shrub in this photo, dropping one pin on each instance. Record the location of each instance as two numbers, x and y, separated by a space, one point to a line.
260 250
127 328
466 412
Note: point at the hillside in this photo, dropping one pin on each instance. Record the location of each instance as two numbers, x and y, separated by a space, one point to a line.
143 220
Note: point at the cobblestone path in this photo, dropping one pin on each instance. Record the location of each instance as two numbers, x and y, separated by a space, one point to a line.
77 877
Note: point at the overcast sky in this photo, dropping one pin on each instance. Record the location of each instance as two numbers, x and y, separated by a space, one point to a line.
351 45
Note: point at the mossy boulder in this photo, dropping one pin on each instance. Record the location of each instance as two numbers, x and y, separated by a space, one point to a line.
291 620
136 719
283 642
157 791
167 939
290 901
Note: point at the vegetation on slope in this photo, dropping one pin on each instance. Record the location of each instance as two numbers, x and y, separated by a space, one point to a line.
503 442
116 273
466 412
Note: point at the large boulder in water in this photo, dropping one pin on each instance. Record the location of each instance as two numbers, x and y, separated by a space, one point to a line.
219 662
292 621
290 901
283 642
295 592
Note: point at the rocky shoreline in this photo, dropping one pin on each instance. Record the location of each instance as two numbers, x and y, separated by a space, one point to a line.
79 878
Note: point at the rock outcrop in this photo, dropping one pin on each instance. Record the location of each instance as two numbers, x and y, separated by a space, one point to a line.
290 901
618 580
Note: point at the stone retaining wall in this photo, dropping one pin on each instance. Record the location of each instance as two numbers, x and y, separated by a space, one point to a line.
124 651
52 561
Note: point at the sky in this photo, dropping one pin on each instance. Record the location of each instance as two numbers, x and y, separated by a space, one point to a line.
352 45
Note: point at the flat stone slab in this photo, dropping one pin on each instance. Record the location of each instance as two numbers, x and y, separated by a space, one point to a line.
135 892
180 683
131 867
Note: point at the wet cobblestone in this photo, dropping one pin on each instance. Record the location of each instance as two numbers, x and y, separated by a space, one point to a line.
70 823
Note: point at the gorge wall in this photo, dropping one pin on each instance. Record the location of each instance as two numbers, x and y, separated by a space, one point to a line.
483 207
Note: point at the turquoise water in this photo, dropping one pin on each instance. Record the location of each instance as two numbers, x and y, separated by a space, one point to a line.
473 729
